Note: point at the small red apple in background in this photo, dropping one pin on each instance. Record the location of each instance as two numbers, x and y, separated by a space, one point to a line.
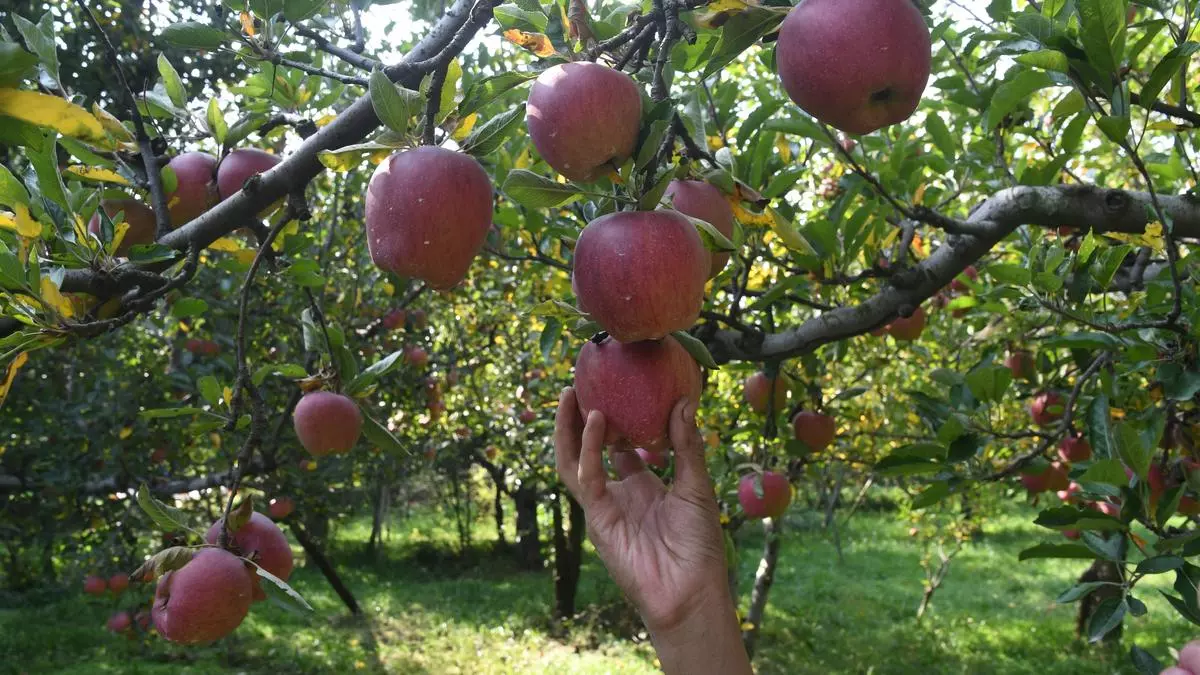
702 200
142 226
1107 508
204 600
814 429
281 507
957 286
527 416
433 388
1071 534
428 211
119 622
435 408
416 356
776 495
907 329
462 432
142 619
1074 449
636 386
858 65
584 118
1052 477
118 582
195 190
262 537
394 319
158 456
491 453
1020 363
1047 408
657 460
1070 495
641 274
1189 506
94 585
758 388
238 166
327 422
202 347
420 319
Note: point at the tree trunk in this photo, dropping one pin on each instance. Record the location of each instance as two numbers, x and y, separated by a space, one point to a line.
498 508
317 556
1100 570
529 547
382 504
762 583
568 554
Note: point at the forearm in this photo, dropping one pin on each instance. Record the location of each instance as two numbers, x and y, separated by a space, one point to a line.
709 640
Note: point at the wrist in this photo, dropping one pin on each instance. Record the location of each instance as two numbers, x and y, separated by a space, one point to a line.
703 636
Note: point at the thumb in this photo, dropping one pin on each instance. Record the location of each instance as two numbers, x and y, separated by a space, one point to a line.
691 474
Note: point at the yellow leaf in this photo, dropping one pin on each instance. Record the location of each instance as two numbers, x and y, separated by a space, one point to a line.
227 245
96 174
1152 237
747 625
215 438
119 231
537 43
244 256
20 221
715 142
111 124
465 125
783 147
13 367
247 23
227 394
109 309
389 289
325 119
919 195
717 12
52 112
747 217
125 432
52 297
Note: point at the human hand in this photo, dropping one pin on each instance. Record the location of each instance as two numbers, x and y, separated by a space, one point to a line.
663 547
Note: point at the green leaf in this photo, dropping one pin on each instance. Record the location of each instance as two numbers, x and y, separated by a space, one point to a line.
194 35
488 138
166 517
280 584
188 307
1080 590
1084 340
940 134
15 64
696 348
372 373
1072 551
488 89
1103 545
1159 564
931 495
171 82
1010 274
1102 31
1107 616
1131 450
210 389
1046 59
380 437
299 10
288 370
1144 661
651 140
988 383
898 465
653 196
738 34
1164 71
1116 127
215 119
549 338
1099 425
1178 384
1107 471
393 104
529 189
1013 93
164 413
512 16
41 39
12 192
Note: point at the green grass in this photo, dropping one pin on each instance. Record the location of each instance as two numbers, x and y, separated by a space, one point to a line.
428 612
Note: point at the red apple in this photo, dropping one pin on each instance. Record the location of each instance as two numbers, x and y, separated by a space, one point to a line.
1047 408
1074 449
94 585
814 429
908 328
394 319
327 422
142 226
119 622
203 601
118 582
583 118
957 286
416 355
1020 363
636 386
428 211
641 274
281 507
776 495
527 416
1107 508
1189 506
262 540
704 201
491 453
858 65
1071 534
1070 495
158 456
758 388
238 166
196 190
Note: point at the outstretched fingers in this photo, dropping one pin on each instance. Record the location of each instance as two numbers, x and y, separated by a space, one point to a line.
568 432
691 474
592 479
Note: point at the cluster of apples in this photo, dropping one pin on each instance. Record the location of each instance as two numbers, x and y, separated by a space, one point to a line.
209 597
201 182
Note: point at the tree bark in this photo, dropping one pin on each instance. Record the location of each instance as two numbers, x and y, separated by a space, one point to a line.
568 555
763 580
316 555
382 503
498 509
1100 570
529 546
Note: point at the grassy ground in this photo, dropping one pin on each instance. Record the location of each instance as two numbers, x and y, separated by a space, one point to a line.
427 612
